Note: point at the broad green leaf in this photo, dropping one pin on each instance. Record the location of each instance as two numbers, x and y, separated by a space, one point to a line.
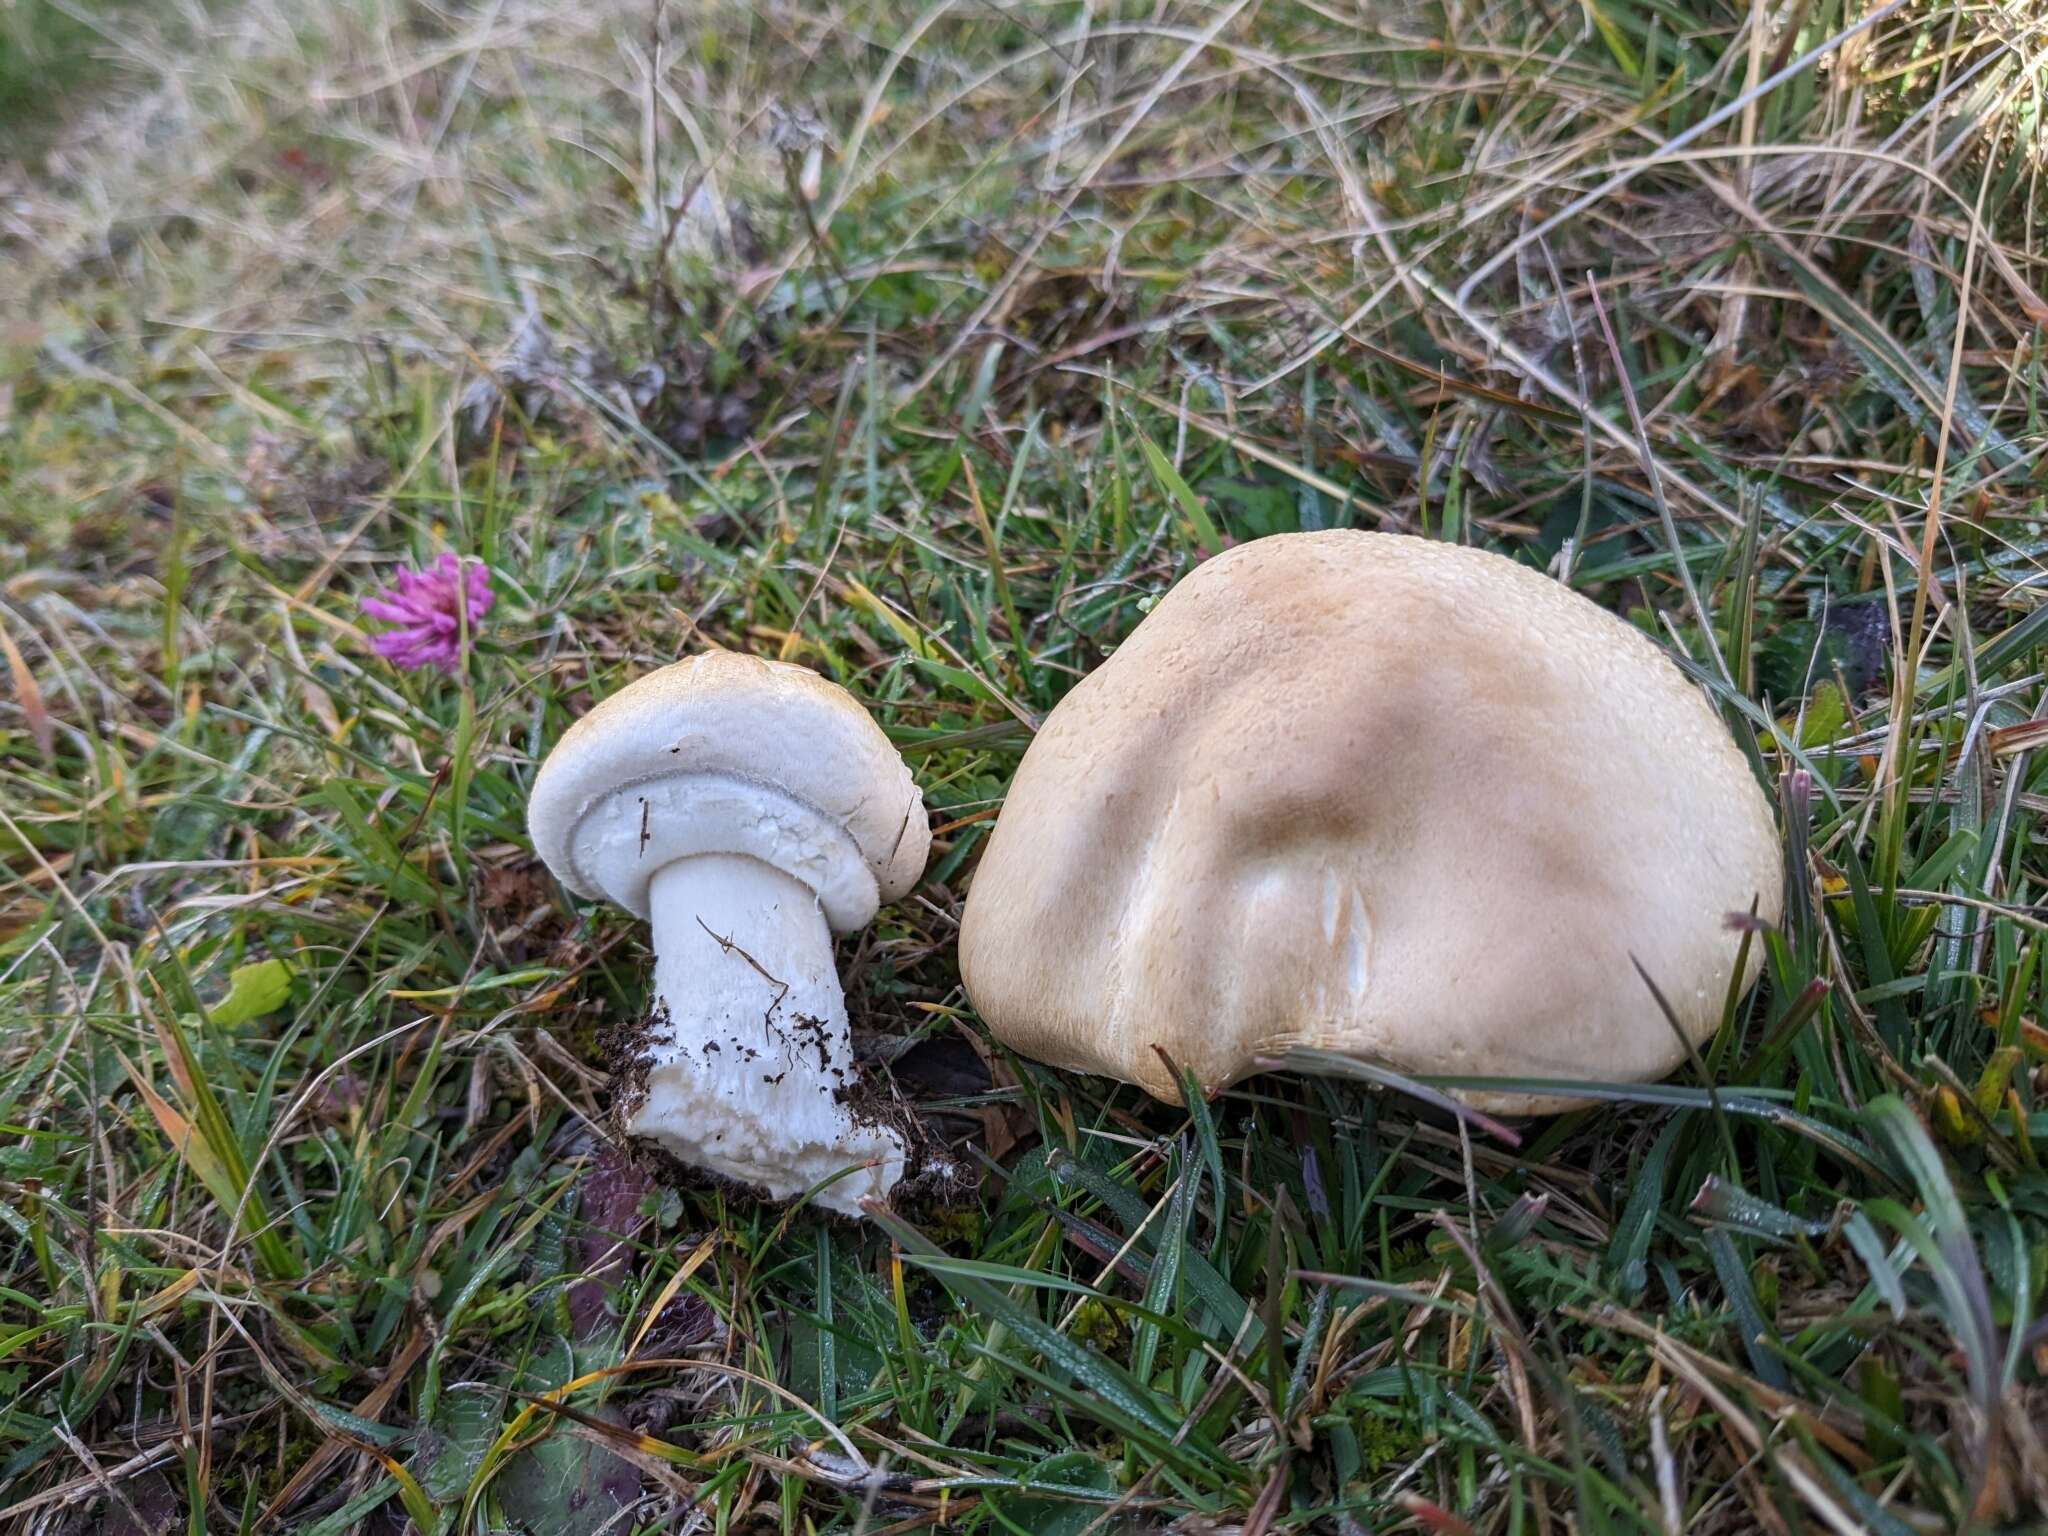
260 987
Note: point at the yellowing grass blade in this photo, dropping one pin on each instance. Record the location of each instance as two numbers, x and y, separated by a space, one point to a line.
689 1267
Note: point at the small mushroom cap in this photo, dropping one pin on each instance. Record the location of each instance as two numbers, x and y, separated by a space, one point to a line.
1377 795
730 753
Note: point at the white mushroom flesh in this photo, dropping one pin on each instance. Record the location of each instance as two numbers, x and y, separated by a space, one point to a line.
750 810
749 1062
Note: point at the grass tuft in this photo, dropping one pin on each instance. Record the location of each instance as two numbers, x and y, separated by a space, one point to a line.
926 346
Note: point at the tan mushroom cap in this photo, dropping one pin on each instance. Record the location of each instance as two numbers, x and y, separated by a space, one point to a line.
1372 794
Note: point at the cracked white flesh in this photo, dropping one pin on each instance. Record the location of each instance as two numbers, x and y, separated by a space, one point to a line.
749 1054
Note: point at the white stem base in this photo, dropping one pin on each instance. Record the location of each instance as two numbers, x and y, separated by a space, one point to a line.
750 1065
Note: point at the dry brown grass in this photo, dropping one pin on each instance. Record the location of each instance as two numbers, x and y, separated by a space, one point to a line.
793 328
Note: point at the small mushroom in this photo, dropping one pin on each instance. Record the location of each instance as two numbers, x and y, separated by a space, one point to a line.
749 810
1380 796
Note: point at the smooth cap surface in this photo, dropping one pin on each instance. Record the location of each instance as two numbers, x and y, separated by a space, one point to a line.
1372 794
730 753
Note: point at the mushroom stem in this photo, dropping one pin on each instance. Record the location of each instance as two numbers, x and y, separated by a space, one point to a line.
749 1060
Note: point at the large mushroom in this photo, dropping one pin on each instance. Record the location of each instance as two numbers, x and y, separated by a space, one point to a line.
749 810
1380 796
